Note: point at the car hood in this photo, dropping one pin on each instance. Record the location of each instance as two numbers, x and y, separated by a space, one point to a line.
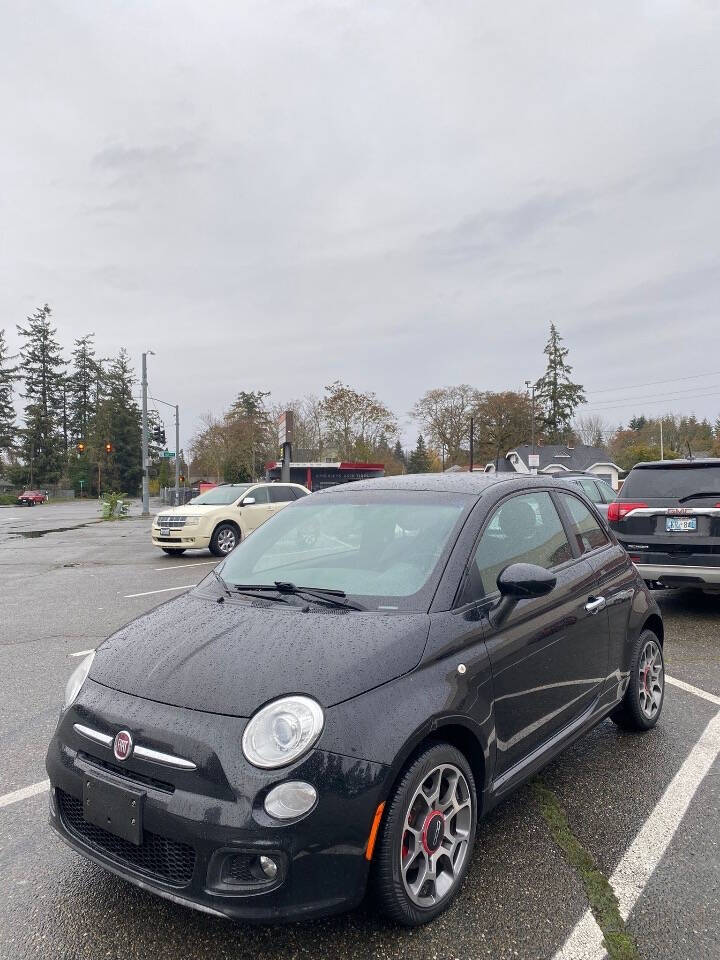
233 657
189 510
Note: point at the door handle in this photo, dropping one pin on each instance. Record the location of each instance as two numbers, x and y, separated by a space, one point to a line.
595 605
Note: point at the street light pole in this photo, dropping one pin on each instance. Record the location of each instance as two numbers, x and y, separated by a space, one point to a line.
531 386
145 453
177 455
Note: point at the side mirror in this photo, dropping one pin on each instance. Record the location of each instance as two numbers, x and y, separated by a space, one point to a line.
520 581
247 502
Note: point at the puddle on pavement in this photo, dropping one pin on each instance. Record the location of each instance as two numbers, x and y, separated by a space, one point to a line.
34 534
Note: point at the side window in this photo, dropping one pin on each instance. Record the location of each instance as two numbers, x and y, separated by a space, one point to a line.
260 494
298 493
523 529
591 491
608 494
586 529
280 494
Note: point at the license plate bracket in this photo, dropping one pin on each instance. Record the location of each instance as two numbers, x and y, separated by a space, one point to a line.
680 524
119 810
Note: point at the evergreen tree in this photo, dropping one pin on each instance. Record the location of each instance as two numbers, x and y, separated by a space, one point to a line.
419 461
557 395
7 411
118 423
41 369
399 453
81 387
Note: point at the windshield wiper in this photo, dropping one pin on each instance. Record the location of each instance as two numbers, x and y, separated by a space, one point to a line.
221 581
697 496
334 598
253 590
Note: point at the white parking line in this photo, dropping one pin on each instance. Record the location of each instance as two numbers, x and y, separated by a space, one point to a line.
181 566
24 793
696 691
82 653
148 593
632 874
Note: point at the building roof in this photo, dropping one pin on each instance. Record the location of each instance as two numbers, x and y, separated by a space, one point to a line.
579 457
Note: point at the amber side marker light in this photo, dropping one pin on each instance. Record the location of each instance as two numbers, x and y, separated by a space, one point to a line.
374 832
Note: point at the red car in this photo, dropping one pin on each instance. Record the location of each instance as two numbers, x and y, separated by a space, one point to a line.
30 497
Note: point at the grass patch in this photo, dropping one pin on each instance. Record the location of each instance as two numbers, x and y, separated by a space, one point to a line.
601 896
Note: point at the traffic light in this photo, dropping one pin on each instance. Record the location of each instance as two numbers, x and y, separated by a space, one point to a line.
108 448
80 447
158 434
181 478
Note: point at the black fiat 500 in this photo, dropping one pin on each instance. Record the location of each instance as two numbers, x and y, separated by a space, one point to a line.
337 704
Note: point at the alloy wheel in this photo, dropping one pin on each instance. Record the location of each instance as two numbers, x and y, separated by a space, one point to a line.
226 541
435 838
651 679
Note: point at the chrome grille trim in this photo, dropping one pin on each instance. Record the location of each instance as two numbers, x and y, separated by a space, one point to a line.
174 523
165 759
95 735
145 753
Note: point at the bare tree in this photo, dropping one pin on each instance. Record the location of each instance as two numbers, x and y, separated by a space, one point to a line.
592 429
445 416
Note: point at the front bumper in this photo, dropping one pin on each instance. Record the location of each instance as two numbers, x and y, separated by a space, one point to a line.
185 538
679 574
194 820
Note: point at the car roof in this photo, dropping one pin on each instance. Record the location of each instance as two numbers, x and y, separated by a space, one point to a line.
472 484
675 464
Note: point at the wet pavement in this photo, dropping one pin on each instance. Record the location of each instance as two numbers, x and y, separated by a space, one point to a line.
63 592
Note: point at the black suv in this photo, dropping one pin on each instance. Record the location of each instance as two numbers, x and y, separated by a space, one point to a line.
667 516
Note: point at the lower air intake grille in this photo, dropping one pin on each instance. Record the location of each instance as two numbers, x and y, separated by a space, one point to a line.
167 860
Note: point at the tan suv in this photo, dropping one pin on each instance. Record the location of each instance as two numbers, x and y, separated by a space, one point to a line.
220 518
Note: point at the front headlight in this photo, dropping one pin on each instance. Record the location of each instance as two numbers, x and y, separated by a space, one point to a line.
77 679
192 521
282 731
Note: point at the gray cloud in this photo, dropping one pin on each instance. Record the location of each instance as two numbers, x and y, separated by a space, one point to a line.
401 195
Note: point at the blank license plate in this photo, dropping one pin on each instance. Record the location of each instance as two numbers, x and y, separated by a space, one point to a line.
115 809
680 524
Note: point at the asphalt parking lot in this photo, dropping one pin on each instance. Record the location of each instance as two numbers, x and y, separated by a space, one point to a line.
644 812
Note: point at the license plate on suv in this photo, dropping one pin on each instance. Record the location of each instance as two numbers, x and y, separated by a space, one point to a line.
680 524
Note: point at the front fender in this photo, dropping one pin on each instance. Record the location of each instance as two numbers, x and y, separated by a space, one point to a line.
386 725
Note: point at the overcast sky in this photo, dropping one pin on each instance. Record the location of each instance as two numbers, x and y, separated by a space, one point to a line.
401 194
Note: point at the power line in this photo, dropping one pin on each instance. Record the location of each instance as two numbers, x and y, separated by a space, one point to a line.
652 383
624 406
676 395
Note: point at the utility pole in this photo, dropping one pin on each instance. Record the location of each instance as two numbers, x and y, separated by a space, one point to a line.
531 386
472 442
662 452
177 455
145 453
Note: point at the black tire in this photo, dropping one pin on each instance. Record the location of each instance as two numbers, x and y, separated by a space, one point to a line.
172 552
642 704
225 538
395 859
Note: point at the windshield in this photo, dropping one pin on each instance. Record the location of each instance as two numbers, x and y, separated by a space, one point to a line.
381 548
672 483
227 493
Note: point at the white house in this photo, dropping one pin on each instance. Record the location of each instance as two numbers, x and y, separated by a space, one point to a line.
559 458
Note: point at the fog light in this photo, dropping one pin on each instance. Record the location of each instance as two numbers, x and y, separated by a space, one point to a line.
268 867
290 800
